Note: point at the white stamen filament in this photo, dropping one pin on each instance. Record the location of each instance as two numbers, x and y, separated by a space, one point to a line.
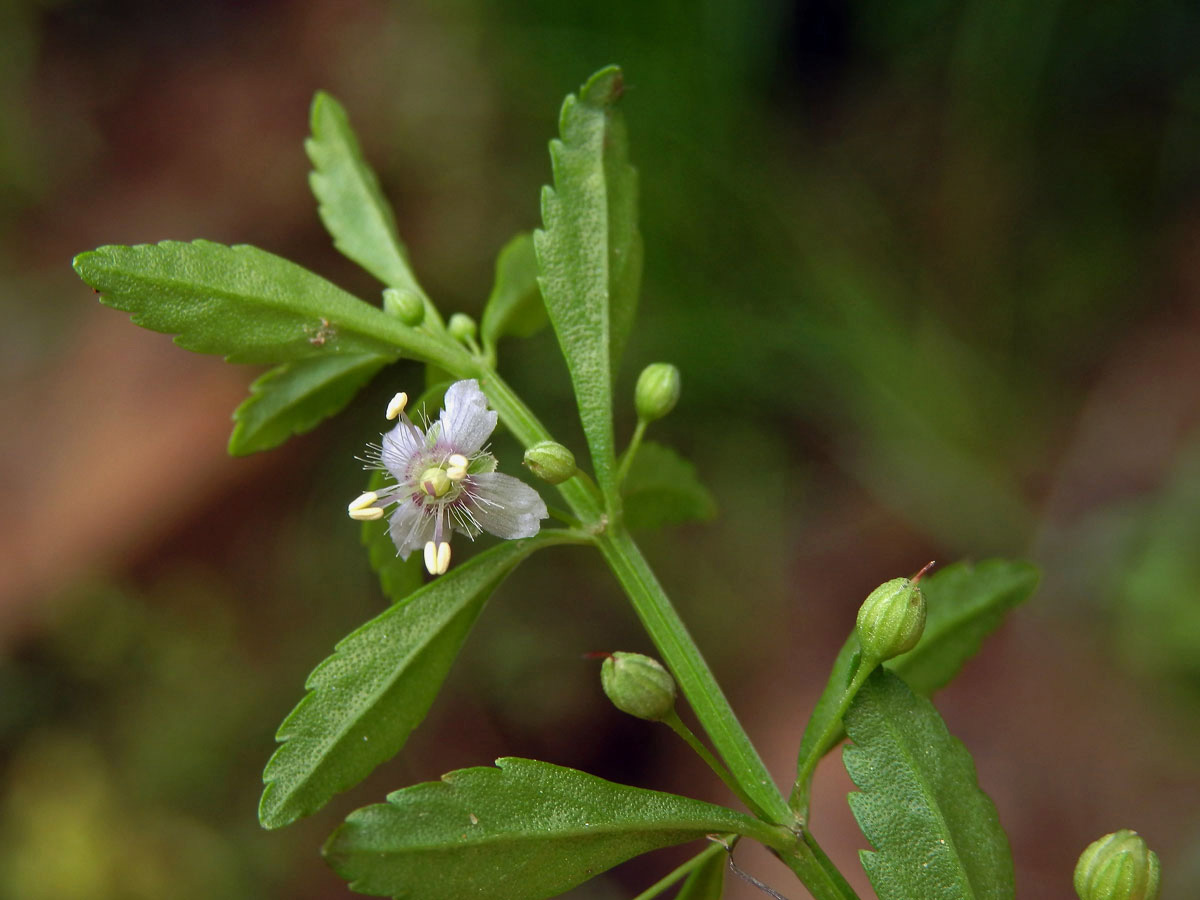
370 514
397 404
443 558
431 555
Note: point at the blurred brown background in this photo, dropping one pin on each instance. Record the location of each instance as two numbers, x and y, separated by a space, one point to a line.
931 271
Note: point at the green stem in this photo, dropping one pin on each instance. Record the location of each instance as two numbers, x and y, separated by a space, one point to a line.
822 883
676 724
695 679
685 869
800 790
827 865
631 451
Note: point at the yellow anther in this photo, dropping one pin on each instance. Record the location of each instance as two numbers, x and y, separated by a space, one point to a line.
397 404
362 501
456 474
458 461
443 558
369 514
431 557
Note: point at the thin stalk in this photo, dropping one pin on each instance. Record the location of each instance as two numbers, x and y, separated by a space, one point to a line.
631 451
822 883
676 724
681 871
800 790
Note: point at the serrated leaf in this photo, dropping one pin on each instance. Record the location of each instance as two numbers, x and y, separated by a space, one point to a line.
707 881
965 603
935 832
514 308
661 488
365 700
244 304
349 199
590 254
297 396
524 830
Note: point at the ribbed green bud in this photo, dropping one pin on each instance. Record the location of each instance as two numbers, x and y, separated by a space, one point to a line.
891 619
404 305
551 461
1119 866
638 685
657 391
461 327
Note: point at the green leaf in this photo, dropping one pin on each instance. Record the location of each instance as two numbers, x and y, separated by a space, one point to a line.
350 203
515 306
661 488
363 701
246 304
707 881
295 397
521 831
935 832
966 603
590 254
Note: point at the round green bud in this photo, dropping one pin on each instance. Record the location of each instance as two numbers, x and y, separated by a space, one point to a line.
461 327
657 391
1119 866
404 305
638 685
551 461
891 619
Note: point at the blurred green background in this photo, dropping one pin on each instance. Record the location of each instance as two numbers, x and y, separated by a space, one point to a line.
931 270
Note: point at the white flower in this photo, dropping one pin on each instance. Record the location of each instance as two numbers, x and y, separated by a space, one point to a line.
446 481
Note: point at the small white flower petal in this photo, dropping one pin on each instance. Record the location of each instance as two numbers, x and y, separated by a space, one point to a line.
466 422
505 506
409 528
399 445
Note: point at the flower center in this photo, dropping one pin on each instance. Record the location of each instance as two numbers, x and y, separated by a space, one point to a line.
435 482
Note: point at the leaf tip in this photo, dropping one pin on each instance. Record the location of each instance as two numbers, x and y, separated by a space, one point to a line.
604 88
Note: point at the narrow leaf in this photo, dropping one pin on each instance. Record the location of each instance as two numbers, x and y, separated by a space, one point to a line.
524 830
966 602
297 396
935 832
707 881
515 306
350 202
244 304
590 254
661 488
363 701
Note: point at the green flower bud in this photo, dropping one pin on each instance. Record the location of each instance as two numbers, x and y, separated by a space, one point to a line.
638 685
551 461
657 391
891 619
404 305
461 327
1119 866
